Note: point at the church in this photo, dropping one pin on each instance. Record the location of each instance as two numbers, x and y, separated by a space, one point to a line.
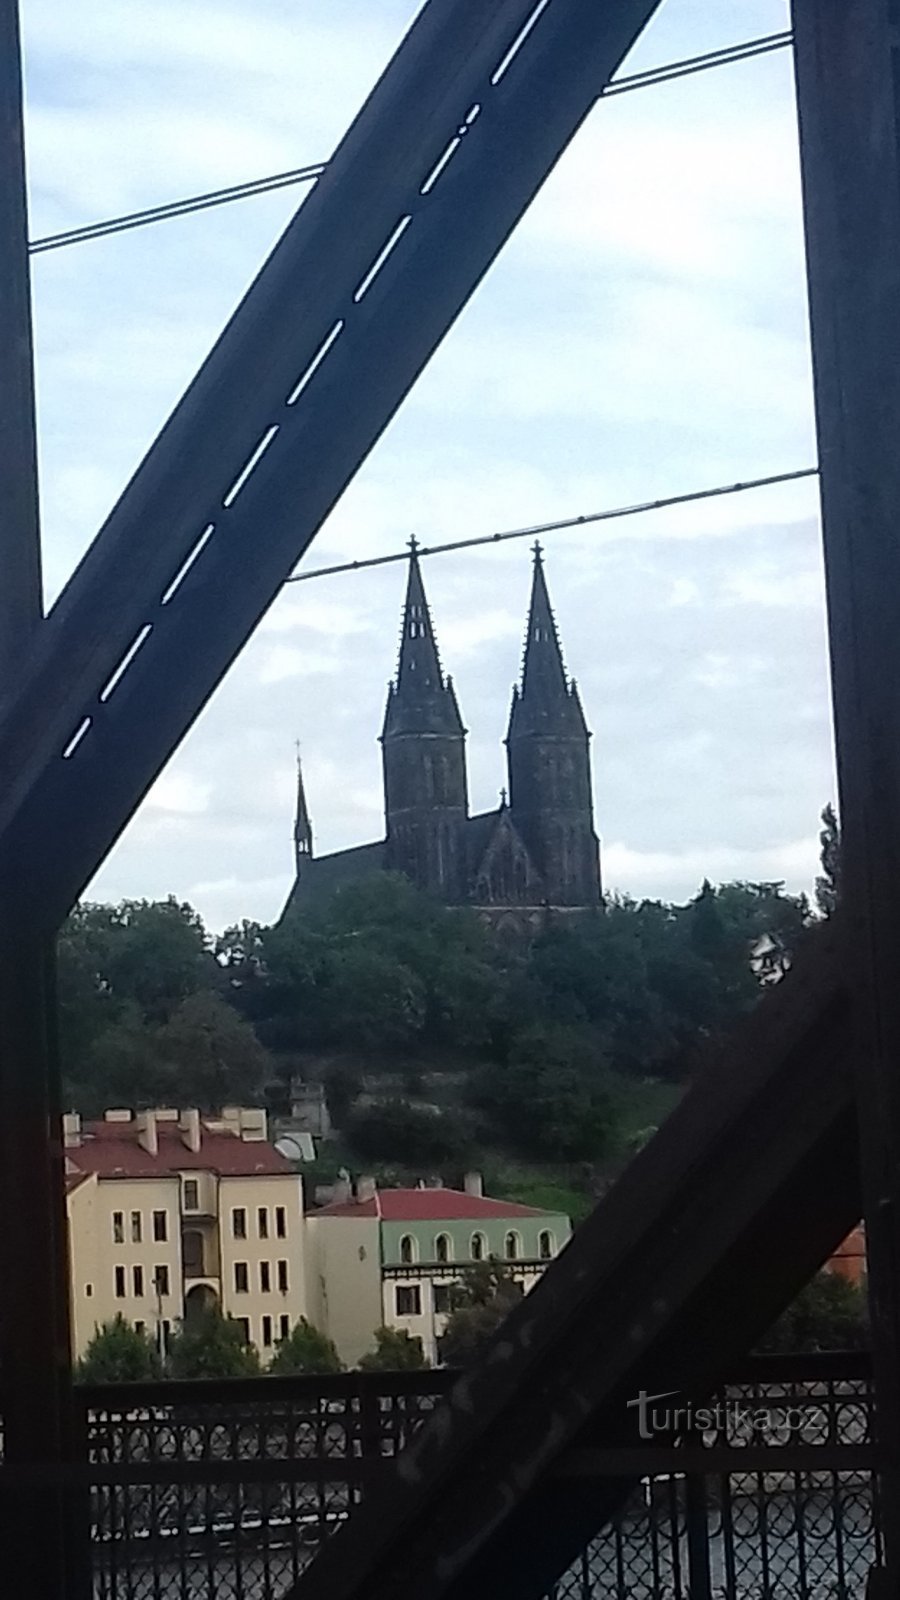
537 854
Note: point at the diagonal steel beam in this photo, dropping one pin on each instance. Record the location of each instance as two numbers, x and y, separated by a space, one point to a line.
438 167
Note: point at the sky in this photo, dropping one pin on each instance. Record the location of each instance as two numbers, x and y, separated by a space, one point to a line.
643 334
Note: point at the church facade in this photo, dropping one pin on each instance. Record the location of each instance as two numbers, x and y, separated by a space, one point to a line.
537 853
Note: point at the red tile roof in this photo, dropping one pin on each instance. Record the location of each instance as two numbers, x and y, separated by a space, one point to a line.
111 1150
427 1205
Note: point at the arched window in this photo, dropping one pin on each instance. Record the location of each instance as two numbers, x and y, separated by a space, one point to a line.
478 1247
442 1247
511 1246
545 1244
407 1249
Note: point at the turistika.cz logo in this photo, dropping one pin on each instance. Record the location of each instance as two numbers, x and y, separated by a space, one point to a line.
729 1418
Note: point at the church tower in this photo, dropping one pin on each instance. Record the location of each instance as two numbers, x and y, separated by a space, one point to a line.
303 837
548 753
424 755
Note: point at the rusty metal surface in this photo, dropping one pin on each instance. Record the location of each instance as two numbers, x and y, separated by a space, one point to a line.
463 127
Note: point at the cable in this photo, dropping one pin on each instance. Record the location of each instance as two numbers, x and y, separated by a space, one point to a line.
554 527
283 180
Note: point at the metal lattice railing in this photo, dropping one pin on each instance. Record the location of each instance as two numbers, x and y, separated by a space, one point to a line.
224 1491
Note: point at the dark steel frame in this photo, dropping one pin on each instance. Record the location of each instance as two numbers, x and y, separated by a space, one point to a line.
438 167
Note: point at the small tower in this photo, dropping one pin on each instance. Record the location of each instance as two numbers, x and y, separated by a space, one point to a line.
303 838
548 755
424 755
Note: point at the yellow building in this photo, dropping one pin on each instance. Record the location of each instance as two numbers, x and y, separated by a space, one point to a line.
170 1212
392 1257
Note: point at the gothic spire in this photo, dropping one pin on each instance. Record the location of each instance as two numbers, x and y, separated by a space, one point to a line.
303 838
545 697
421 699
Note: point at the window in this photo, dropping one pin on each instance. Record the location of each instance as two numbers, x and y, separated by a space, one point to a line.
120 1283
265 1277
409 1300
262 1221
191 1194
88 1290
165 1335
511 1246
545 1244
141 1328
238 1223
442 1247
280 1222
478 1247
244 1325
135 1227
407 1249
282 1277
161 1279
241 1278
138 1281
284 1325
160 1227
267 1332
443 1298
192 1253
118 1227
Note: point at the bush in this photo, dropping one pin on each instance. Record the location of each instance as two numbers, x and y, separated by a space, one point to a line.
117 1353
395 1351
828 1314
210 1345
305 1350
410 1135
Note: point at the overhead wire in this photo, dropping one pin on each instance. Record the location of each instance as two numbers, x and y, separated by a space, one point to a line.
535 529
666 73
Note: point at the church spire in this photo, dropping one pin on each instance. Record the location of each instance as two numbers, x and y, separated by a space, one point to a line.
545 698
303 838
421 699
543 672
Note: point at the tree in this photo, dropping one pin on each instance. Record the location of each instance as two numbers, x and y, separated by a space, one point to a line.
305 1350
210 1345
118 1353
828 1314
548 1100
412 1136
214 1056
480 1303
828 884
396 1350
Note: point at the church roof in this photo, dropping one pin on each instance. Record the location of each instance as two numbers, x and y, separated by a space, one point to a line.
421 699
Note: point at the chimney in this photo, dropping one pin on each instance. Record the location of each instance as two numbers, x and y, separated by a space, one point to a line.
231 1120
366 1189
71 1130
253 1124
146 1132
473 1183
189 1127
341 1192
117 1114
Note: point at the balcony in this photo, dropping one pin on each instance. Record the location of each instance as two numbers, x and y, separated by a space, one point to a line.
224 1491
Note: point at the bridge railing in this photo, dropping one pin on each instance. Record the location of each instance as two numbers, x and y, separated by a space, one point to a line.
225 1490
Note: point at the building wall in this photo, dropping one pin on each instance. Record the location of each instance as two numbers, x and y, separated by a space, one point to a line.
275 1296
345 1269
416 1285
114 1275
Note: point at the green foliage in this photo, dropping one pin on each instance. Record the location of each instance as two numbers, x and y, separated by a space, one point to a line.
828 884
392 1129
548 1100
481 1302
305 1350
212 1054
117 1353
210 1345
396 1350
828 1314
